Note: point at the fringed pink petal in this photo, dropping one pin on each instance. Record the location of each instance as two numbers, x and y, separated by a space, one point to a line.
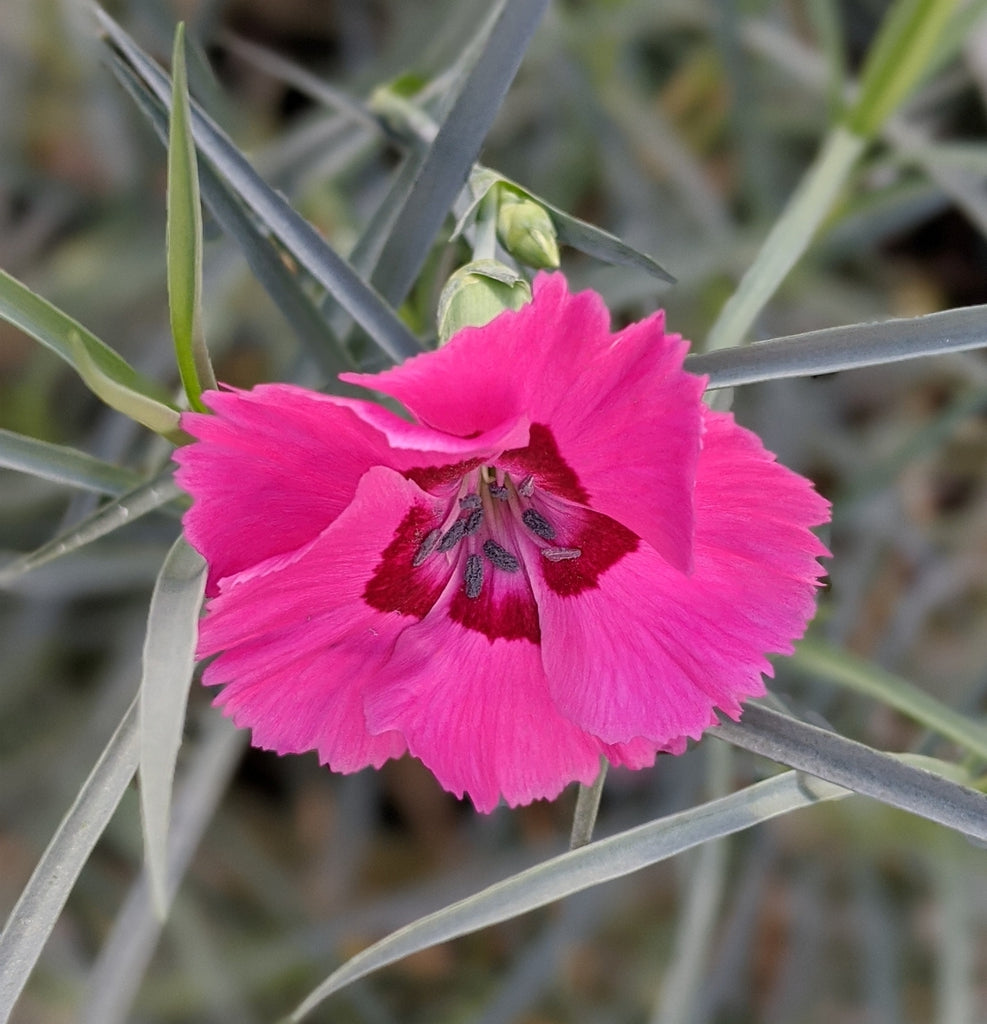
478 715
400 434
299 641
653 652
270 470
297 699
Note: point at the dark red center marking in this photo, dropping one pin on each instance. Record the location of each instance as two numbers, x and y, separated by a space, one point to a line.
396 584
409 579
512 615
543 460
603 543
430 477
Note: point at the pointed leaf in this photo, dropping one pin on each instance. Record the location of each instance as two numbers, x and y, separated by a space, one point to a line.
123 959
579 234
40 904
599 862
184 240
898 60
63 465
283 284
601 245
323 263
125 509
844 762
431 179
169 659
845 348
108 375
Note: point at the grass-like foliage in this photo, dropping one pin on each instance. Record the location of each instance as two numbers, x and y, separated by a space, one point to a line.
801 187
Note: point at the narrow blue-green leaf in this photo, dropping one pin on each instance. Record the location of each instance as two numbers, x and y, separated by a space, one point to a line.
184 239
325 265
790 236
40 904
125 509
844 762
63 465
601 861
108 375
430 180
601 245
898 60
579 234
845 348
587 808
123 959
417 130
169 659
865 677
283 284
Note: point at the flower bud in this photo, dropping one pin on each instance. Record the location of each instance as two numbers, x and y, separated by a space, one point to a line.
476 293
526 230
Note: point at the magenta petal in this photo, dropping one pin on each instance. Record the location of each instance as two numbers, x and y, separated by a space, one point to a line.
630 427
478 715
623 416
401 434
653 652
299 641
296 700
523 361
638 753
270 470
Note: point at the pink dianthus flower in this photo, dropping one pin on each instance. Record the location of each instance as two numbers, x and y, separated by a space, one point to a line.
565 554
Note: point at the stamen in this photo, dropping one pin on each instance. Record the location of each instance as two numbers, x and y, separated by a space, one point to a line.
426 546
561 554
470 501
499 492
538 524
454 535
526 487
473 576
500 557
473 521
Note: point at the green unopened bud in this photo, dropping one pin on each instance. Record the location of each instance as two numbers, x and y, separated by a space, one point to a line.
478 292
526 230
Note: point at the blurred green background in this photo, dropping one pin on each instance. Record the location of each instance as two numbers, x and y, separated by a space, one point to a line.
682 127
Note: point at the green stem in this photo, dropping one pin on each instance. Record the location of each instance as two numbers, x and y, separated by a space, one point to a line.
485 228
587 808
789 238
684 978
905 48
